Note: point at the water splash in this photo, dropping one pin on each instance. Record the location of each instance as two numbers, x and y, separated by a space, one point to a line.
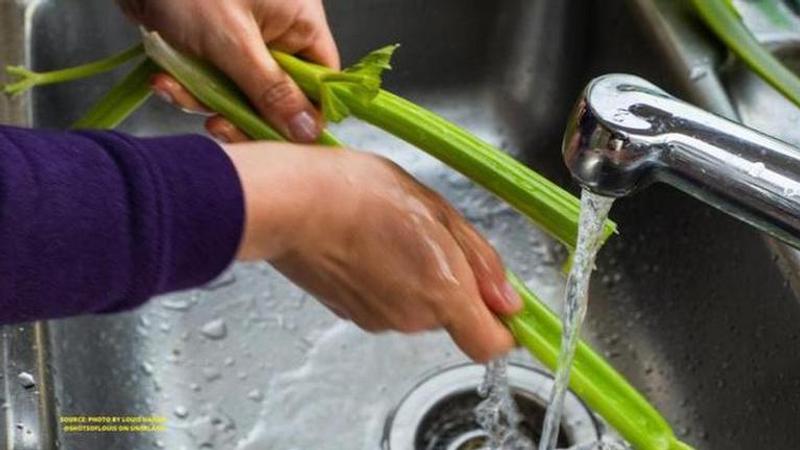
497 414
594 210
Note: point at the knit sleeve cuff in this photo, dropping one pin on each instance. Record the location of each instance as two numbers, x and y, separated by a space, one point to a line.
202 209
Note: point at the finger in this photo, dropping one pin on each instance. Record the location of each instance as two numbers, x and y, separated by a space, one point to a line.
272 92
323 51
463 313
309 36
496 291
478 332
225 131
487 266
169 90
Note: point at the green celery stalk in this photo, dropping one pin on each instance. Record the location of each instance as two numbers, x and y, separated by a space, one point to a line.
215 90
593 379
124 98
721 16
548 205
28 78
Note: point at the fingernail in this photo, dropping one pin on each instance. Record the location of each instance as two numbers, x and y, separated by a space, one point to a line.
303 127
511 297
164 95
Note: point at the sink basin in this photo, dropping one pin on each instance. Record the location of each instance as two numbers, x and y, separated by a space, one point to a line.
688 303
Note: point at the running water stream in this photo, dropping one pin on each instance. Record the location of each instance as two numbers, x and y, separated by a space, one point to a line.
497 414
594 210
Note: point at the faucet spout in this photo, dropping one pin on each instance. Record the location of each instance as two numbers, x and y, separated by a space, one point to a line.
625 133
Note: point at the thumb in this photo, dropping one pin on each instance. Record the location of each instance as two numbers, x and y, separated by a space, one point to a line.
274 94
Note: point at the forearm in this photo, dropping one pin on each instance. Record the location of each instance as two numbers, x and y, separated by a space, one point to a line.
97 222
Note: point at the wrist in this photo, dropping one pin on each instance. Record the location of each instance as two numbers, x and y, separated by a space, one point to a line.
286 188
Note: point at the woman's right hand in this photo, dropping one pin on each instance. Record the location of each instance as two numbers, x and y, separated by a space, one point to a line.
372 244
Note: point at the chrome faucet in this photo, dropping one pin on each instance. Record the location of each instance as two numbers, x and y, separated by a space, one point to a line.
625 133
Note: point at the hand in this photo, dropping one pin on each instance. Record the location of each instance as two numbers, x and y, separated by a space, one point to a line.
372 244
232 34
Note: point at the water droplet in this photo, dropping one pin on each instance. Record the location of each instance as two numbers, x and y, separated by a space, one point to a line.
255 395
620 115
26 380
181 412
791 192
756 169
175 304
211 374
144 321
215 329
697 73
147 368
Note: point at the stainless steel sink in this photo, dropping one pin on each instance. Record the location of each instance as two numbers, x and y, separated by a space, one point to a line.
689 304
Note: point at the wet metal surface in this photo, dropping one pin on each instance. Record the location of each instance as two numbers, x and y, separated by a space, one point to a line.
688 303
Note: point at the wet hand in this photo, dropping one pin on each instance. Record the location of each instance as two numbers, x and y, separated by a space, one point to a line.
232 35
373 244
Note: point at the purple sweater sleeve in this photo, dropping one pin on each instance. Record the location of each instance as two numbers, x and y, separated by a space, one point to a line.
102 221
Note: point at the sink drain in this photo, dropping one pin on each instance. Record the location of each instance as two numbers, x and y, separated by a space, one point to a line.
438 413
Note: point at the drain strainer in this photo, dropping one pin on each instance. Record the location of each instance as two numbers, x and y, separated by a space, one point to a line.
438 413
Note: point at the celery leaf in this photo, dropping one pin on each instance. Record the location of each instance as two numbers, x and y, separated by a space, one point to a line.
362 80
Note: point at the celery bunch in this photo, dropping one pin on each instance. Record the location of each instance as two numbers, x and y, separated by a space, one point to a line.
357 91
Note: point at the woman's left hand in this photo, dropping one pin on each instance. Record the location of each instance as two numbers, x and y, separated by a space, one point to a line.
233 35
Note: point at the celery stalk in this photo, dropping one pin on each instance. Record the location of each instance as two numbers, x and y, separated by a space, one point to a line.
722 17
28 78
549 206
123 98
215 90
